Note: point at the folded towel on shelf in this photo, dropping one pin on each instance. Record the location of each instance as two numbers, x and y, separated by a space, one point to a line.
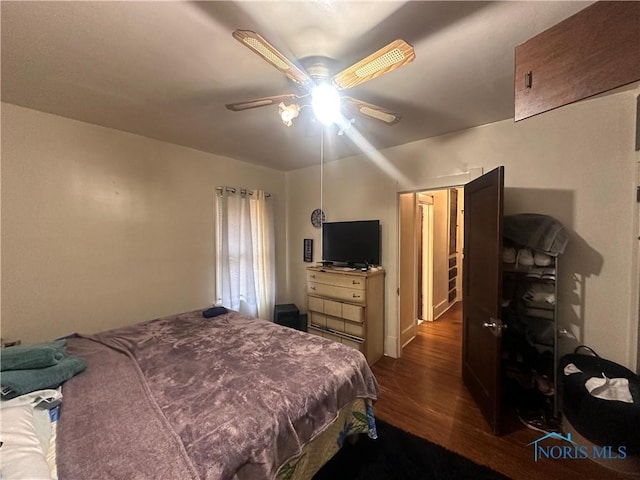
540 292
540 297
535 273
22 357
524 257
509 255
19 382
542 259
549 274
539 232
214 312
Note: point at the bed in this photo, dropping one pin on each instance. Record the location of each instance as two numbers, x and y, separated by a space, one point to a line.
229 397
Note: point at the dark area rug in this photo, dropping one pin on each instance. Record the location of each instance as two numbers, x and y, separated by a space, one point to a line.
400 455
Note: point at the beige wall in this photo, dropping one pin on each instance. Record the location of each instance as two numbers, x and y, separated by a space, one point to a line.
102 228
576 163
347 195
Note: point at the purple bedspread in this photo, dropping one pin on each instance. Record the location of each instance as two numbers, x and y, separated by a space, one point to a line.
189 397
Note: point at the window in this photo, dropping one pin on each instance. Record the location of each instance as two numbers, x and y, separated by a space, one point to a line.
245 259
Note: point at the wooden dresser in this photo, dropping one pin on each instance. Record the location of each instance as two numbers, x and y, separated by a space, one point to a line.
347 306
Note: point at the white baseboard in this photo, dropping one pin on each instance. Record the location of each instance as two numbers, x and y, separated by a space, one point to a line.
440 309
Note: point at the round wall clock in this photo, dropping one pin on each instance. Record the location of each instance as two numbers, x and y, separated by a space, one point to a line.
317 217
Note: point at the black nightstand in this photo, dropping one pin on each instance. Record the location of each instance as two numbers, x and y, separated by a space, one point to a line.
287 314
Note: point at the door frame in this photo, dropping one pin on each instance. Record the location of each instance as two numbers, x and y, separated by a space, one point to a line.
426 224
414 185
635 282
408 235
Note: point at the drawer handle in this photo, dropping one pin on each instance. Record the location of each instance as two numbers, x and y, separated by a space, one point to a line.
356 282
311 287
355 295
312 276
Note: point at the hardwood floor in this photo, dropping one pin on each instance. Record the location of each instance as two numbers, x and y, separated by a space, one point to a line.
422 393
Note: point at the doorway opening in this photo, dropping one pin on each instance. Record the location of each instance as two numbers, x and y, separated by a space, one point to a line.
431 239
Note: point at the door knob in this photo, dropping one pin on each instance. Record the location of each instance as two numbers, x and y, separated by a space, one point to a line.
494 324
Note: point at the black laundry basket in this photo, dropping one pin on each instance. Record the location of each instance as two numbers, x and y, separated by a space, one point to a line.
603 422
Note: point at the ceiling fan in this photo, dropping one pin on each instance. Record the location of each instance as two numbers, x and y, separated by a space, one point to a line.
320 91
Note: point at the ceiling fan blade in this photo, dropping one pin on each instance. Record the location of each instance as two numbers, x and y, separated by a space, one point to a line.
260 102
387 59
372 111
269 53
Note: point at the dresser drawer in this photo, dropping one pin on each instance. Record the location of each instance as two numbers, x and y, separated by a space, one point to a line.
353 312
339 293
335 323
316 304
353 343
335 308
338 316
349 281
356 329
319 319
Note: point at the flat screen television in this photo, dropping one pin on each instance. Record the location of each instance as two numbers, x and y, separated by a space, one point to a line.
353 243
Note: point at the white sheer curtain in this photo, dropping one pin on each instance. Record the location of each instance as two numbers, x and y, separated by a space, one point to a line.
245 263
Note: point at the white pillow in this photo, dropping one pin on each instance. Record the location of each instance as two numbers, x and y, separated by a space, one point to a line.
21 454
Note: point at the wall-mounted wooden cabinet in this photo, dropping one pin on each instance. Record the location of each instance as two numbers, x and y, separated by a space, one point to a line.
591 52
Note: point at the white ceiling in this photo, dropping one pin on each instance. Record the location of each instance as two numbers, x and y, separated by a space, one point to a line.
166 69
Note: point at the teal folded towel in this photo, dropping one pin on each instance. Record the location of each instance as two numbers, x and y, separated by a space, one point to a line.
22 357
25 381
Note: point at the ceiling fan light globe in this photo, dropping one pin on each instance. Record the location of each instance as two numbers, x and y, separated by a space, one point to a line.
287 116
288 113
325 102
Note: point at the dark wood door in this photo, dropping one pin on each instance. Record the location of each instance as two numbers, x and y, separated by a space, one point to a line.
482 293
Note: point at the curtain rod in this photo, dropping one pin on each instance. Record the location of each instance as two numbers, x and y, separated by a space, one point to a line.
243 191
